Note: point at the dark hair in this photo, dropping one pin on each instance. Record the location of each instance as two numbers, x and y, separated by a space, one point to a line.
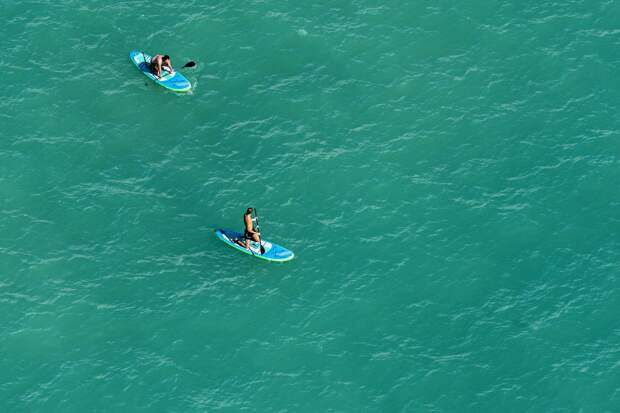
249 211
166 57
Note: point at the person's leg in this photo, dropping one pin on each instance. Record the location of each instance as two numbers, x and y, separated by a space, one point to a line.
156 65
247 243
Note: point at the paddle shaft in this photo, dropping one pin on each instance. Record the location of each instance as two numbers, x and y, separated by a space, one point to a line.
262 249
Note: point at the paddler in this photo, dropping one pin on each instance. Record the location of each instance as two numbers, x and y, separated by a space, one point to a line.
159 62
249 234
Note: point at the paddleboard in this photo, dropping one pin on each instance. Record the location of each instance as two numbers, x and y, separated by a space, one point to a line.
176 82
273 252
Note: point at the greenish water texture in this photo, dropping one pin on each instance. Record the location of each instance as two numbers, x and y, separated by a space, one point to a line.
445 172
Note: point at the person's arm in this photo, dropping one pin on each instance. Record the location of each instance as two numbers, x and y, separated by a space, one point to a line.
169 69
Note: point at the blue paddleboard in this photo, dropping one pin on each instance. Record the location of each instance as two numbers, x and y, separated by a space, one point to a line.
176 82
273 252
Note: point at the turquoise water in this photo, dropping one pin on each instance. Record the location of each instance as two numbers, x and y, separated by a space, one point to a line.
446 174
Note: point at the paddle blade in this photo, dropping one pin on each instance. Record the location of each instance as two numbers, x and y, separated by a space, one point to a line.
189 64
262 250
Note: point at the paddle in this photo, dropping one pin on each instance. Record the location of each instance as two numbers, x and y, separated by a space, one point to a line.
262 249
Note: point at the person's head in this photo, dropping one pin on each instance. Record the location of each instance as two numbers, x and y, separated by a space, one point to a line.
249 211
166 59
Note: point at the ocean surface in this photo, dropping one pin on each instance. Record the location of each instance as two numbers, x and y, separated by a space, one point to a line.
447 174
